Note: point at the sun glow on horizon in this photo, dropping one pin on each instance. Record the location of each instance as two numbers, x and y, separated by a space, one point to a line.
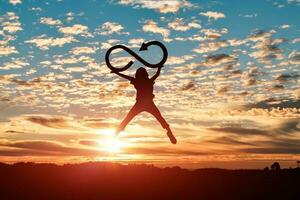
111 143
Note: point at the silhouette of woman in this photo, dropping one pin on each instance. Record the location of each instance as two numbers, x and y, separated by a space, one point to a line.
144 100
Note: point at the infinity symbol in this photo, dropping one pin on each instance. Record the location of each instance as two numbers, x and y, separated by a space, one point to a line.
144 47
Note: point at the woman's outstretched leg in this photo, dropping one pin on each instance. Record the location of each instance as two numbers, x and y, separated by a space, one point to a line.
156 113
132 113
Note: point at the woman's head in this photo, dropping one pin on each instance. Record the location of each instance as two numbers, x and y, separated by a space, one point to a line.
141 73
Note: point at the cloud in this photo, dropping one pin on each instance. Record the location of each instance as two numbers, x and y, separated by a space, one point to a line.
287 77
76 69
277 145
207 47
249 15
266 48
219 59
213 34
241 131
214 15
109 28
250 76
260 35
92 143
44 42
22 152
285 26
289 126
74 60
228 141
296 93
109 43
36 145
165 151
179 25
43 148
294 58
136 42
50 21
173 60
99 122
195 37
37 9
275 103
222 90
9 26
10 23
83 50
297 2
152 27
270 150
189 86
76 29
49 121
167 6
7 50
286 127
295 40
15 64
4 99
5 79
15 2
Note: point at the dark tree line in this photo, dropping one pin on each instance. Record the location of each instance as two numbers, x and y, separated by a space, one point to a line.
108 181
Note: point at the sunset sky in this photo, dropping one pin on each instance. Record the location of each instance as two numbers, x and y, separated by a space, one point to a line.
229 89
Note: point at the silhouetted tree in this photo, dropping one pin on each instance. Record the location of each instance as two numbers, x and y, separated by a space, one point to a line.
275 166
266 169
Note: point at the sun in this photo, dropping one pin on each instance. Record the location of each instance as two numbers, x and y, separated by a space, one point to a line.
110 142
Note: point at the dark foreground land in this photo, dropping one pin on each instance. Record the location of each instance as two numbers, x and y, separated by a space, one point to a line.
107 181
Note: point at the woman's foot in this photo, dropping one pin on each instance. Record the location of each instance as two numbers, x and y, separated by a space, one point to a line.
171 137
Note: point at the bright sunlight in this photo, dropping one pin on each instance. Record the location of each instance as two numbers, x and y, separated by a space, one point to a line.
110 142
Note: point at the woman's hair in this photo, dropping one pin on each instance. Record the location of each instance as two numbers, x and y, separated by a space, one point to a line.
141 73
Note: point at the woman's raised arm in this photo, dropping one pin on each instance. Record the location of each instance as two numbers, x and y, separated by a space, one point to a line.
156 74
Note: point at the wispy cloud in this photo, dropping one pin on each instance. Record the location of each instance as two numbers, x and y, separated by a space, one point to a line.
152 27
15 2
76 29
44 42
169 6
6 50
179 25
109 28
213 15
50 21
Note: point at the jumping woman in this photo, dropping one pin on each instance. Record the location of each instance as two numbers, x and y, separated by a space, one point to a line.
144 100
